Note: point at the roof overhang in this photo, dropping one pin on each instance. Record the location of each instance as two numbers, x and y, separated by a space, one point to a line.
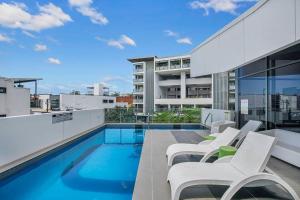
142 59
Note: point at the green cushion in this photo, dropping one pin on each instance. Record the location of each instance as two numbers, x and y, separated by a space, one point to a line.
226 151
209 137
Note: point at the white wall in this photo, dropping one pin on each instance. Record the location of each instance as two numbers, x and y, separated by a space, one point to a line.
217 115
262 30
85 102
24 135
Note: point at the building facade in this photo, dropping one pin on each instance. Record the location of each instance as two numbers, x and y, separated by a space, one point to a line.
81 102
262 47
165 84
143 84
224 90
175 89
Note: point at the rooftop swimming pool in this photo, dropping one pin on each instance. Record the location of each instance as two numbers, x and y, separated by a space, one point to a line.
100 166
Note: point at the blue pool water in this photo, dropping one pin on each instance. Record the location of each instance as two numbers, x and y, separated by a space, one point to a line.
102 166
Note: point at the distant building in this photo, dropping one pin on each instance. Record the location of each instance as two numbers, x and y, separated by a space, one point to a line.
14 98
165 84
98 89
49 102
80 102
128 99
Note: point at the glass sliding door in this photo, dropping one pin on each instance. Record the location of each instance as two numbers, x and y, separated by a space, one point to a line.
252 101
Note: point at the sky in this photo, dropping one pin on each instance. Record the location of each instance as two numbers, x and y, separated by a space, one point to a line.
74 43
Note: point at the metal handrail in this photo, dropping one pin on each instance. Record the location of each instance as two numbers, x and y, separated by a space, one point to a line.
207 118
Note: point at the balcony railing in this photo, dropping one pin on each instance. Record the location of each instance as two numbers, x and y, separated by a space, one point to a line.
138 100
175 67
138 80
138 90
138 70
186 65
159 68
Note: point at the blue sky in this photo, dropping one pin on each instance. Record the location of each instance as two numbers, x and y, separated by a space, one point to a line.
74 43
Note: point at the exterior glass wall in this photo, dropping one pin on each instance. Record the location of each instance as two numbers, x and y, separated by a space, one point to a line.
269 91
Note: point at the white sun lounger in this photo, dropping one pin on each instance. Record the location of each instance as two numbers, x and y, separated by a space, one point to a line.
251 125
246 166
224 139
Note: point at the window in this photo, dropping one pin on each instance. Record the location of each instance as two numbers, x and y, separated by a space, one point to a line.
284 97
3 90
111 101
272 88
2 115
104 101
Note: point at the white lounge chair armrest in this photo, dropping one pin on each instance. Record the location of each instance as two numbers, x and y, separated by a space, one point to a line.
208 155
205 142
225 159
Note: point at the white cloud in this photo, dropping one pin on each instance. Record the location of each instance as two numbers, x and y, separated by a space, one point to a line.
120 43
28 34
40 47
4 38
54 61
171 33
84 7
115 43
179 39
16 15
127 40
229 6
184 40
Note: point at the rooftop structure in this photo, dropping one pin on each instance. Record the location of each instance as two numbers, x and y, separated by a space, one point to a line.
14 98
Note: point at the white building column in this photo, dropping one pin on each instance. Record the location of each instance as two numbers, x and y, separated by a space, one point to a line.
182 85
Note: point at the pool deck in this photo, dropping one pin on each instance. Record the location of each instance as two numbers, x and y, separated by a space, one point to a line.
151 182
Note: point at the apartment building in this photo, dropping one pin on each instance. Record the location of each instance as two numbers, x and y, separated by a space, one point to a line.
165 83
174 89
97 97
143 84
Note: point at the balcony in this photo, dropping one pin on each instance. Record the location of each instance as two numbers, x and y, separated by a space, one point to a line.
175 64
138 70
138 90
137 81
186 65
138 101
231 87
175 67
170 82
160 68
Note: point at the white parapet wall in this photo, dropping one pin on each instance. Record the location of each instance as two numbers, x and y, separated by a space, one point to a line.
22 136
212 115
287 147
